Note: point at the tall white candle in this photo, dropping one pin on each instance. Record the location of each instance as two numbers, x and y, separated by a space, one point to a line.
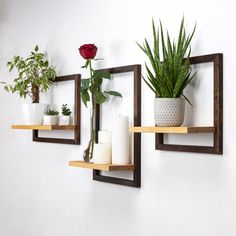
102 154
120 140
104 136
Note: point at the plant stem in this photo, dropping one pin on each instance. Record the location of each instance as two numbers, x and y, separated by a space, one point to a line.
92 121
88 153
35 93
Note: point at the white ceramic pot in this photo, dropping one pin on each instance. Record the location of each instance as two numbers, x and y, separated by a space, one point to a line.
50 120
65 120
33 113
169 112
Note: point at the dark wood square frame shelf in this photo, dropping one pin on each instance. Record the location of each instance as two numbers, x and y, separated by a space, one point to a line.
136 182
77 80
217 147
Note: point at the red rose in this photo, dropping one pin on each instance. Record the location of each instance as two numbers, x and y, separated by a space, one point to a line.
88 51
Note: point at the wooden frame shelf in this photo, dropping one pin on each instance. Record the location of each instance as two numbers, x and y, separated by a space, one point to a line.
136 181
75 128
217 128
173 130
104 167
134 168
44 127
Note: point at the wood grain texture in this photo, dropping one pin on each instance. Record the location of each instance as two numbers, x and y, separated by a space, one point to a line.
44 127
104 167
173 130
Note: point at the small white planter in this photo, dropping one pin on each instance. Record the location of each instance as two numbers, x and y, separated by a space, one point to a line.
33 113
50 120
169 112
65 120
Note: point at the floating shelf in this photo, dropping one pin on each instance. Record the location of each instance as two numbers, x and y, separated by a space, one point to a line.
75 128
44 127
106 167
173 130
135 168
216 129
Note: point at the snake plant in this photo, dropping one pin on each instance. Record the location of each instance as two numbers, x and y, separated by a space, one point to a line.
171 71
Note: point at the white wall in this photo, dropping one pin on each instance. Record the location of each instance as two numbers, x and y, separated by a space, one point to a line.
182 194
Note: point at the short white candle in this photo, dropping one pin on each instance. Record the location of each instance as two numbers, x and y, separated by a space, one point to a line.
102 153
120 140
104 136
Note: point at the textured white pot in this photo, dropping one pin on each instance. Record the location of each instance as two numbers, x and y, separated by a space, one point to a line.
169 111
65 120
50 120
33 113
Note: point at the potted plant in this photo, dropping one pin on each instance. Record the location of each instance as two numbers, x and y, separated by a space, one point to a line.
34 75
65 118
51 117
170 74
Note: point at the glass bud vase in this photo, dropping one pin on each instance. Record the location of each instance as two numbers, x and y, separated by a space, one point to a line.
88 152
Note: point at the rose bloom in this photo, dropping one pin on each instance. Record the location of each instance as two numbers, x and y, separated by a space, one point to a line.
88 51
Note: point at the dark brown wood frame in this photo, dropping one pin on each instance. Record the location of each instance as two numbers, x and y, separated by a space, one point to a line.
136 182
217 147
76 140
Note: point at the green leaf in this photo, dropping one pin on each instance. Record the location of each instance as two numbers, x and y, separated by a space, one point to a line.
101 75
85 97
84 84
36 48
113 93
99 97
96 85
7 88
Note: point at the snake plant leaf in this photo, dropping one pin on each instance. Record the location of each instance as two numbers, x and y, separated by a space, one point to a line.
150 86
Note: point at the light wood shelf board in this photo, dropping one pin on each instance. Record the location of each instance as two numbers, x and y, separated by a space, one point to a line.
44 127
105 167
173 130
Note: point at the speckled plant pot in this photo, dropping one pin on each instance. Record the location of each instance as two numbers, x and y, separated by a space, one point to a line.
169 111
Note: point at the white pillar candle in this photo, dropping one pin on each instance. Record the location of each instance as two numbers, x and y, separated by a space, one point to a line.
104 137
120 140
102 153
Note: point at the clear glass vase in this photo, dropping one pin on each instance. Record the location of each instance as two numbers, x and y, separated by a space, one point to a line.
88 152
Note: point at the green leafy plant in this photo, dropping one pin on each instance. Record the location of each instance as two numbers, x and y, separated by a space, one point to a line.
171 71
65 110
34 75
51 112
